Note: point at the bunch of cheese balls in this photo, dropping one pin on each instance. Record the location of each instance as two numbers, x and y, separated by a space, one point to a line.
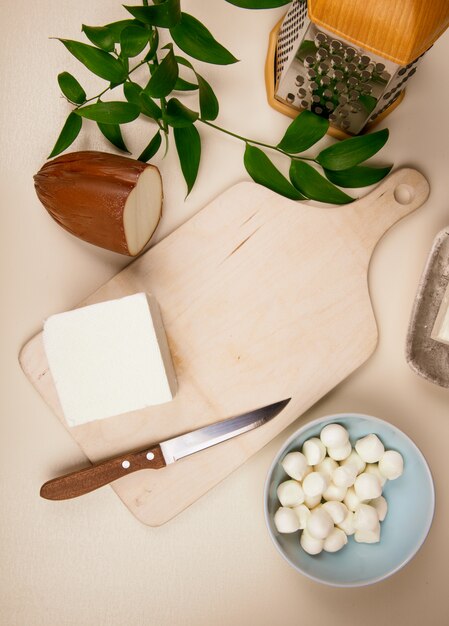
335 490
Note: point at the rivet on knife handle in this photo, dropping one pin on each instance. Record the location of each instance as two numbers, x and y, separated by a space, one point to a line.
159 455
90 478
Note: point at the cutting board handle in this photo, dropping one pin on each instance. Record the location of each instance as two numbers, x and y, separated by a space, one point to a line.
399 194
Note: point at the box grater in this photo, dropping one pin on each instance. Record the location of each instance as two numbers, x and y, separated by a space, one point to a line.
349 60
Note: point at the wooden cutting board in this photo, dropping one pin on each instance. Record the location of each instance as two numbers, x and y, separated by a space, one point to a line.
262 299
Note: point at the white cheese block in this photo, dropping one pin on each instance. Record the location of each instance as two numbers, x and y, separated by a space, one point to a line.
109 358
440 331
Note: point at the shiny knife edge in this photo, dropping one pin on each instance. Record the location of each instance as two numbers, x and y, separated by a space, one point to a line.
213 434
157 455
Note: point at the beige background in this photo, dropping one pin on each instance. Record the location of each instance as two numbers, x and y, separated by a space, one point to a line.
88 561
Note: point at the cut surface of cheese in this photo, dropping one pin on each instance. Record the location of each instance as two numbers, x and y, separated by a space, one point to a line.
440 331
109 358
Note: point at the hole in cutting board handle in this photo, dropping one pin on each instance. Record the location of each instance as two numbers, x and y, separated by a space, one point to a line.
404 194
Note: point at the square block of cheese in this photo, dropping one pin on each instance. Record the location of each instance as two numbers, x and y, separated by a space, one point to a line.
109 358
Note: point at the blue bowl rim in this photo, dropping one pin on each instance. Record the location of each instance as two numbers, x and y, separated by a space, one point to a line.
295 435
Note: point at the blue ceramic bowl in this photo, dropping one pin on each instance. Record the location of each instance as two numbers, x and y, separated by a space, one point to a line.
411 503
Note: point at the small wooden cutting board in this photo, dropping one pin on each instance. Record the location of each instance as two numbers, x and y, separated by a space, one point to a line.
262 299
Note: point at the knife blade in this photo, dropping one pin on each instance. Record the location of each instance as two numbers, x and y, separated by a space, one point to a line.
157 455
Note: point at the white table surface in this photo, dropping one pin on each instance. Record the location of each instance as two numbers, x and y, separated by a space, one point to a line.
89 561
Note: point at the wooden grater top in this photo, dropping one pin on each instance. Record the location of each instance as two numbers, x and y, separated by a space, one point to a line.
399 31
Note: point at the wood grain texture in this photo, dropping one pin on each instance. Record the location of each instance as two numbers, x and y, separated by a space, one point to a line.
100 474
262 298
399 31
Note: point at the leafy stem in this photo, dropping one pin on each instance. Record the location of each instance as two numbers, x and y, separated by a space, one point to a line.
256 143
110 87
163 103
114 45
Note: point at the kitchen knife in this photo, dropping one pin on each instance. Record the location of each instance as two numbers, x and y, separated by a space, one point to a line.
157 456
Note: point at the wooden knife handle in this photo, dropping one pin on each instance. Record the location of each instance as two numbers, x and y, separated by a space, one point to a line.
86 480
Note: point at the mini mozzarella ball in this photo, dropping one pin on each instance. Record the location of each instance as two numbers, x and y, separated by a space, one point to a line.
344 476
286 520
337 510
319 523
326 467
368 536
340 453
310 544
373 468
355 460
351 500
370 448
334 493
308 471
295 465
347 525
365 517
334 436
312 501
367 487
290 493
302 512
391 465
314 451
335 541
381 506
314 484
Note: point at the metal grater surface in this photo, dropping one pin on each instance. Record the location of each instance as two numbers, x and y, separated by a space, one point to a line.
292 27
335 79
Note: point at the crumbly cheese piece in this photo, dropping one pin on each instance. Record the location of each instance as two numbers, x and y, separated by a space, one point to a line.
109 358
440 331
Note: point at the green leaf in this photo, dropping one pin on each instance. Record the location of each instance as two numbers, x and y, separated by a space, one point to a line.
184 61
69 133
208 100
100 36
188 146
194 39
305 130
358 176
154 44
307 47
164 78
258 4
149 107
184 85
312 185
104 37
262 171
113 133
115 28
110 112
133 40
181 81
368 102
165 14
353 151
151 148
132 92
71 88
97 61
178 115
125 62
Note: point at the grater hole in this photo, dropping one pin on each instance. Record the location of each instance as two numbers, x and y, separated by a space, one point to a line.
404 194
